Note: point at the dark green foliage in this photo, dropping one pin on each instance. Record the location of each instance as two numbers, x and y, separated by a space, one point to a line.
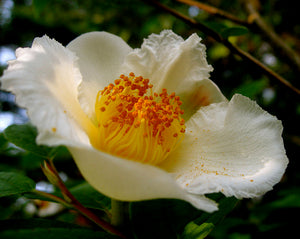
170 218
13 183
24 137
48 229
89 197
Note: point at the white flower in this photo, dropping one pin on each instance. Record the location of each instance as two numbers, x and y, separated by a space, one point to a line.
214 146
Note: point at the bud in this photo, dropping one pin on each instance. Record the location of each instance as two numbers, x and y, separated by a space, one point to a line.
51 174
53 177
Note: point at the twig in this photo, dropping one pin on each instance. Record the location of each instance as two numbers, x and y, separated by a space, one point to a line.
269 33
215 11
236 50
51 197
266 69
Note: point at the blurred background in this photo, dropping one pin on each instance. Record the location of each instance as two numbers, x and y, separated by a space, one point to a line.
22 20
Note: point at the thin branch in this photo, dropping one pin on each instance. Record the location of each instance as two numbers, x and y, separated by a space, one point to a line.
269 33
215 11
229 45
267 70
52 197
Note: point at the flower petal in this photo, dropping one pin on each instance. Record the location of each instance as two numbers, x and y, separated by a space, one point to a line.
127 180
100 57
235 148
177 65
44 79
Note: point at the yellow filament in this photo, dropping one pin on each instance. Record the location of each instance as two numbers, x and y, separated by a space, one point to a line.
137 124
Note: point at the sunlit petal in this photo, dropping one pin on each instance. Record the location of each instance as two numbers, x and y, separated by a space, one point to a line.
234 148
44 79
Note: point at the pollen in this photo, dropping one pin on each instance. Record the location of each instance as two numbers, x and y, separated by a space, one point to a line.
136 123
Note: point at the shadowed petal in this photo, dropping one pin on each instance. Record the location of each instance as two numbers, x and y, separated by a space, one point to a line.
127 180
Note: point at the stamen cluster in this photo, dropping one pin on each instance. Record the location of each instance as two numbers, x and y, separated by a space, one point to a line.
129 109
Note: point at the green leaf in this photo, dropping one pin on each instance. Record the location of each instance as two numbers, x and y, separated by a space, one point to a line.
14 183
216 26
31 161
288 198
39 6
234 31
24 137
169 217
224 30
226 205
194 231
203 225
252 88
89 197
84 193
46 229
3 143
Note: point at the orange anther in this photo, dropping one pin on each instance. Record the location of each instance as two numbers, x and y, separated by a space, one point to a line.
128 108
168 124
113 97
123 114
127 83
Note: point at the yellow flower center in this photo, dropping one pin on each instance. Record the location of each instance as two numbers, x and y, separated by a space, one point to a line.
137 124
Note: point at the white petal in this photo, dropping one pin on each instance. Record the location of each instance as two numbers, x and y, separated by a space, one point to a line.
127 180
177 65
100 56
235 148
44 79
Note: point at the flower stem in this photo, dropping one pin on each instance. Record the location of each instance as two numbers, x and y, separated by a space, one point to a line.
101 223
119 213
